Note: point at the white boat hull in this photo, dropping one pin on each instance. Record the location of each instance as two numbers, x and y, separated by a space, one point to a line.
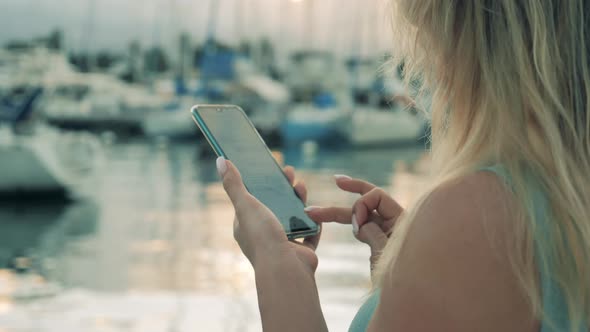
308 123
22 171
375 127
169 124
47 161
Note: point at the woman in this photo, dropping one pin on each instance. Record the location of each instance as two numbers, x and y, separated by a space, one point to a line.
501 241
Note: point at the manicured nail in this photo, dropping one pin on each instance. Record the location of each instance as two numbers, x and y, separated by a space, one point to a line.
221 166
311 208
355 225
342 177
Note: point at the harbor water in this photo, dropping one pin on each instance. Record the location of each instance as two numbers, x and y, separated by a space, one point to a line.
150 248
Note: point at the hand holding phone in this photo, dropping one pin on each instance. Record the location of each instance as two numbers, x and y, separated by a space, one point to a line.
232 136
258 231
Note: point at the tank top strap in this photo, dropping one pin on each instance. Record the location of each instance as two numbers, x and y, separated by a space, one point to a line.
556 317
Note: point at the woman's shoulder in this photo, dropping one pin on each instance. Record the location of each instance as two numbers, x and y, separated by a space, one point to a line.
469 217
480 196
450 269
469 208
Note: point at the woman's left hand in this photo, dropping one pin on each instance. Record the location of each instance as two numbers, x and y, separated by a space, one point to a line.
257 230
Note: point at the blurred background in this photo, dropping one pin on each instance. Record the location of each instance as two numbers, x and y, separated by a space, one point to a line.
111 214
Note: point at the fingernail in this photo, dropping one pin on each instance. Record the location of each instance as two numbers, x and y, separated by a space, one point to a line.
342 177
355 225
221 166
311 208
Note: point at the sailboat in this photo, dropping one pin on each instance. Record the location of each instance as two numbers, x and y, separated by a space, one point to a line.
369 123
225 76
322 101
39 160
369 126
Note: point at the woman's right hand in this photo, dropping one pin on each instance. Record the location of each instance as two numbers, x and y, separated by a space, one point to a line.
372 216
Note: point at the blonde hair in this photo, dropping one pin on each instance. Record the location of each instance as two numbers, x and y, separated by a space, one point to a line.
510 82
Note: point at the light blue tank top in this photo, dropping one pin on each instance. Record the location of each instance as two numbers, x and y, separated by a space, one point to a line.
554 303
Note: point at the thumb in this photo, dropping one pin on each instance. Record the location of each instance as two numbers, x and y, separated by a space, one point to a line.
371 234
232 181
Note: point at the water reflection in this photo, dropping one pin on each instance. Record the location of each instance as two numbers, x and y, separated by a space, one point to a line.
152 249
32 233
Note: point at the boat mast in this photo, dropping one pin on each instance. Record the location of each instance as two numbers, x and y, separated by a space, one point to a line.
356 53
212 20
239 22
284 31
309 23
86 36
209 47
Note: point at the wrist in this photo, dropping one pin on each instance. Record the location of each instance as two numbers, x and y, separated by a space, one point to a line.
283 261
272 256
284 286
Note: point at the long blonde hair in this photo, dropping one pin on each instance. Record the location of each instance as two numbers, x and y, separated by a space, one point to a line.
510 82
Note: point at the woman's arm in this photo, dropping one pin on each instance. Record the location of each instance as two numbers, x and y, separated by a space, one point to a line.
284 270
287 294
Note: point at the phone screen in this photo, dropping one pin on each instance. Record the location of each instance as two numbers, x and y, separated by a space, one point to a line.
239 142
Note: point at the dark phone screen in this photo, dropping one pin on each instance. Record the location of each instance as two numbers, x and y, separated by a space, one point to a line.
262 176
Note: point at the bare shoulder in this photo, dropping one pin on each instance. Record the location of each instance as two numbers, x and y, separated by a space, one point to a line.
451 273
477 204
468 215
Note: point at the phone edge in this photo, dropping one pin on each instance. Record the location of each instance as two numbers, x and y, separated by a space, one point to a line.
208 136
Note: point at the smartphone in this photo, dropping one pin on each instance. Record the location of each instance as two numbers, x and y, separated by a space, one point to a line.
233 136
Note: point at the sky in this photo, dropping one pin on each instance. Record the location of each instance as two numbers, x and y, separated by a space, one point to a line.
346 27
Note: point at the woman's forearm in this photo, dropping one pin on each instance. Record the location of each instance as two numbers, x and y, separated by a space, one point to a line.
287 295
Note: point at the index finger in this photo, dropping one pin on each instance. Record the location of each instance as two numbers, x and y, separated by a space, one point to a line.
354 185
330 214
